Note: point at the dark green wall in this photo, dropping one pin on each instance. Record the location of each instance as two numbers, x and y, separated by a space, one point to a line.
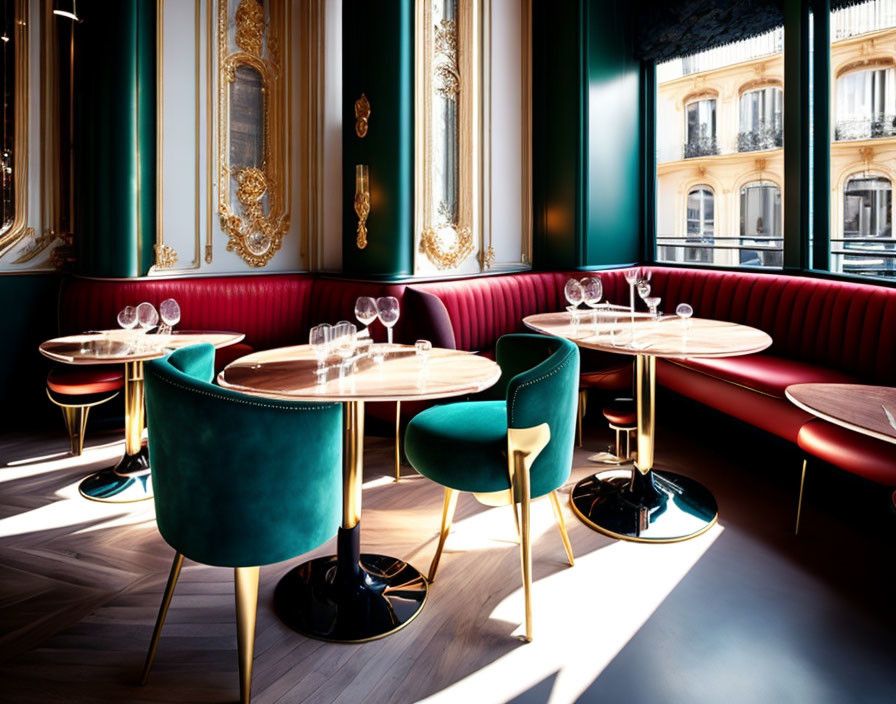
587 151
115 150
378 60
29 318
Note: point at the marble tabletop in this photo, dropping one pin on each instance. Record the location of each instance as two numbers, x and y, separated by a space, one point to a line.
117 346
870 410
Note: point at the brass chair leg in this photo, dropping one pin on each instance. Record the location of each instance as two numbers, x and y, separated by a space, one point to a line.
447 517
246 587
583 400
76 424
163 611
397 440
617 443
561 524
523 446
799 504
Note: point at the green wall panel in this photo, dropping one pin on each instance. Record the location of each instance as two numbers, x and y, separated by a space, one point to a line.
29 318
587 134
378 60
115 149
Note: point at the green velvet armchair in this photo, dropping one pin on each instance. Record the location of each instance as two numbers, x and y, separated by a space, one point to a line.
238 481
512 446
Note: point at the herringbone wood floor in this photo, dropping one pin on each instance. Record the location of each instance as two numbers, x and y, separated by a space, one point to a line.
746 612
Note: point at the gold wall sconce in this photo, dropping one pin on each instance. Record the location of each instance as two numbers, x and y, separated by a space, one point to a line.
362 115
362 203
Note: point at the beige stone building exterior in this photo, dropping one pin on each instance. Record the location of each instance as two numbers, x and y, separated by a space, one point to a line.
719 178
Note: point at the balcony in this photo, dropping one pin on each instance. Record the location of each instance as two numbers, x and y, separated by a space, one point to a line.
702 146
877 128
864 256
760 138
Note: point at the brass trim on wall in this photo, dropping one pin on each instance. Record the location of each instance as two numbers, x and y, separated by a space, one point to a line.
362 116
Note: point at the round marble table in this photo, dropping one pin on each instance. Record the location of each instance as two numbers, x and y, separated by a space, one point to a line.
130 479
870 410
646 505
352 597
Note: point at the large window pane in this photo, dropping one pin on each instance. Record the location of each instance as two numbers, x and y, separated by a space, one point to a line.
719 150
863 139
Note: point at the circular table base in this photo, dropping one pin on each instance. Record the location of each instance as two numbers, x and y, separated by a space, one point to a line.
383 597
604 502
127 482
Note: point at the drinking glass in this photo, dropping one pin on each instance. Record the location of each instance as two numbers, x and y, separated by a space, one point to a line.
593 291
643 290
365 311
147 316
422 348
127 317
170 312
344 334
319 339
684 311
387 311
574 294
632 277
653 303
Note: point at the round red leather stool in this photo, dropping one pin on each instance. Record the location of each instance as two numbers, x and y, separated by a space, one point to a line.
78 389
622 415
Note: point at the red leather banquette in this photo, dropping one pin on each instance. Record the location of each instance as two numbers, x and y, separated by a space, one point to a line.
823 331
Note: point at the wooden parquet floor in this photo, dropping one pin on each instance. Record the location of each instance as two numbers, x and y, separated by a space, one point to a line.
746 612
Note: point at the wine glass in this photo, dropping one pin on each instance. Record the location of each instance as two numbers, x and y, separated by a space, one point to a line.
147 316
643 290
574 294
344 337
319 339
632 277
170 312
365 311
653 303
387 311
127 319
593 291
684 311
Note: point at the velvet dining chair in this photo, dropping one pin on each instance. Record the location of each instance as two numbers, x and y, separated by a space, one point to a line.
238 481
511 445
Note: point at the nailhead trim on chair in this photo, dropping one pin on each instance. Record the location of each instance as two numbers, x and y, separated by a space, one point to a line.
535 381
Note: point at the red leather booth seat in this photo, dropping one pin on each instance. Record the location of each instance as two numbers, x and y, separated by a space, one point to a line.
85 381
856 453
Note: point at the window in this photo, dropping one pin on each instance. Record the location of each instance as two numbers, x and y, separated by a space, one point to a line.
761 119
760 225
866 104
701 129
867 228
700 224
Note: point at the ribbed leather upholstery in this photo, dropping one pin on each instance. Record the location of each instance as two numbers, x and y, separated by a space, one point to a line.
85 380
856 453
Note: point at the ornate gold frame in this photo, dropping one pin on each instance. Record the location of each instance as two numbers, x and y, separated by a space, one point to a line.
247 218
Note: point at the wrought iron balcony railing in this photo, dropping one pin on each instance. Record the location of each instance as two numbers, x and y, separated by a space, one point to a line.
760 138
702 146
876 128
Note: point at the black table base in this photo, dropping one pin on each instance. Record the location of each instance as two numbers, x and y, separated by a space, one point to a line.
350 597
127 482
657 507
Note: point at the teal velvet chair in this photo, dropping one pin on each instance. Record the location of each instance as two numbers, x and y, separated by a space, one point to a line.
239 481
511 445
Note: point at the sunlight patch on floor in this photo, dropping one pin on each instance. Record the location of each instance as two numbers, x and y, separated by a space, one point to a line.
583 617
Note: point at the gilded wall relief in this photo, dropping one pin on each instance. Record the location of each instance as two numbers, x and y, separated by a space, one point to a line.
252 188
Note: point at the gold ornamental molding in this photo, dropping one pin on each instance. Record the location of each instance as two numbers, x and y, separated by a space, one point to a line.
446 257
257 219
446 75
362 116
166 257
488 257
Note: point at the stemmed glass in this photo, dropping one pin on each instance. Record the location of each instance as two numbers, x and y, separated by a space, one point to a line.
653 303
365 312
684 311
344 337
643 290
170 312
387 311
632 277
575 294
593 291
319 339
127 319
147 316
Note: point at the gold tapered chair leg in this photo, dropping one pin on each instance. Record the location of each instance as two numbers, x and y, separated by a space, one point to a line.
447 517
799 504
397 440
583 402
163 611
523 446
246 583
561 524
76 424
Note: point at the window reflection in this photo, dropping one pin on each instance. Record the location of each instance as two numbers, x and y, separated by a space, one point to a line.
247 118
7 156
760 224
